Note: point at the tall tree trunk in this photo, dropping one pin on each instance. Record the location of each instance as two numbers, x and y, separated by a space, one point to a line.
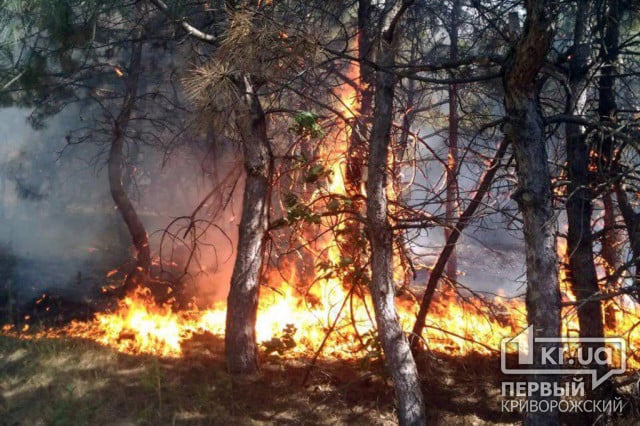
115 165
398 357
451 206
356 151
610 242
607 109
583 277
525 131
242 303
350 243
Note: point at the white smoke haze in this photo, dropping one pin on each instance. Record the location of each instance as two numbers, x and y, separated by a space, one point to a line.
57 216
58 219
490 258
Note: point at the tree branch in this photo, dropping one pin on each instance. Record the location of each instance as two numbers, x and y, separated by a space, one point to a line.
189 29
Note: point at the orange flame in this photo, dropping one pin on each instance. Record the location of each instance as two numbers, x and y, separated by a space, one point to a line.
454 326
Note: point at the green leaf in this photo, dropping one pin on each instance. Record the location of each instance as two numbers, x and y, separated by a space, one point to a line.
290 200
333 205
315 173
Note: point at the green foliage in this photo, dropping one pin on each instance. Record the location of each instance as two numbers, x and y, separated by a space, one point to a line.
296 211
306 125
373 348
283 343
312 171
46 45
316 172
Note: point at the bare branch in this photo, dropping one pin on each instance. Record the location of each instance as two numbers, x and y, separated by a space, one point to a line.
189 29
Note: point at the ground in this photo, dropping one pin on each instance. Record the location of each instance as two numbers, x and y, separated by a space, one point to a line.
77 382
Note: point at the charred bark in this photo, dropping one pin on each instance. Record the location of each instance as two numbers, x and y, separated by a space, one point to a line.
357 149
582 277
139 237
525 131
242 303
398 357
607 110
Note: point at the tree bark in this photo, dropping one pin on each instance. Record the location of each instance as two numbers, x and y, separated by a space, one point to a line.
242 303
583 277
115 166
451 206
525 131
398 357
607 109
356 151
610 242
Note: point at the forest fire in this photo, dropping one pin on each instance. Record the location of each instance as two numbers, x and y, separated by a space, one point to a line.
293 325
319 212
328 318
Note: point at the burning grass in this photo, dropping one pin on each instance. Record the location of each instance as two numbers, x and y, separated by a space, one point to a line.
329 321
149 364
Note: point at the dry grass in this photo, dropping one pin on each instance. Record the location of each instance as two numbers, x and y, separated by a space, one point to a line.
77 382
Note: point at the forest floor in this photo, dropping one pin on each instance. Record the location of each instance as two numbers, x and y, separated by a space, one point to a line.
77 382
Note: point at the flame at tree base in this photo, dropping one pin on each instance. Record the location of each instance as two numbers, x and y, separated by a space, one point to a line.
292 326
139 326
334 321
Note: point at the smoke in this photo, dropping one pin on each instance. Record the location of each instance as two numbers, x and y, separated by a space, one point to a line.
59 224
489 254
58 219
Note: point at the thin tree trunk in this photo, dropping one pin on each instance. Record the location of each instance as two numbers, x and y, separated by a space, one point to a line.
610 252
583 277
356 151
451 206
397 352
607 109
242 303
115 165
408 116
525 131
466 216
